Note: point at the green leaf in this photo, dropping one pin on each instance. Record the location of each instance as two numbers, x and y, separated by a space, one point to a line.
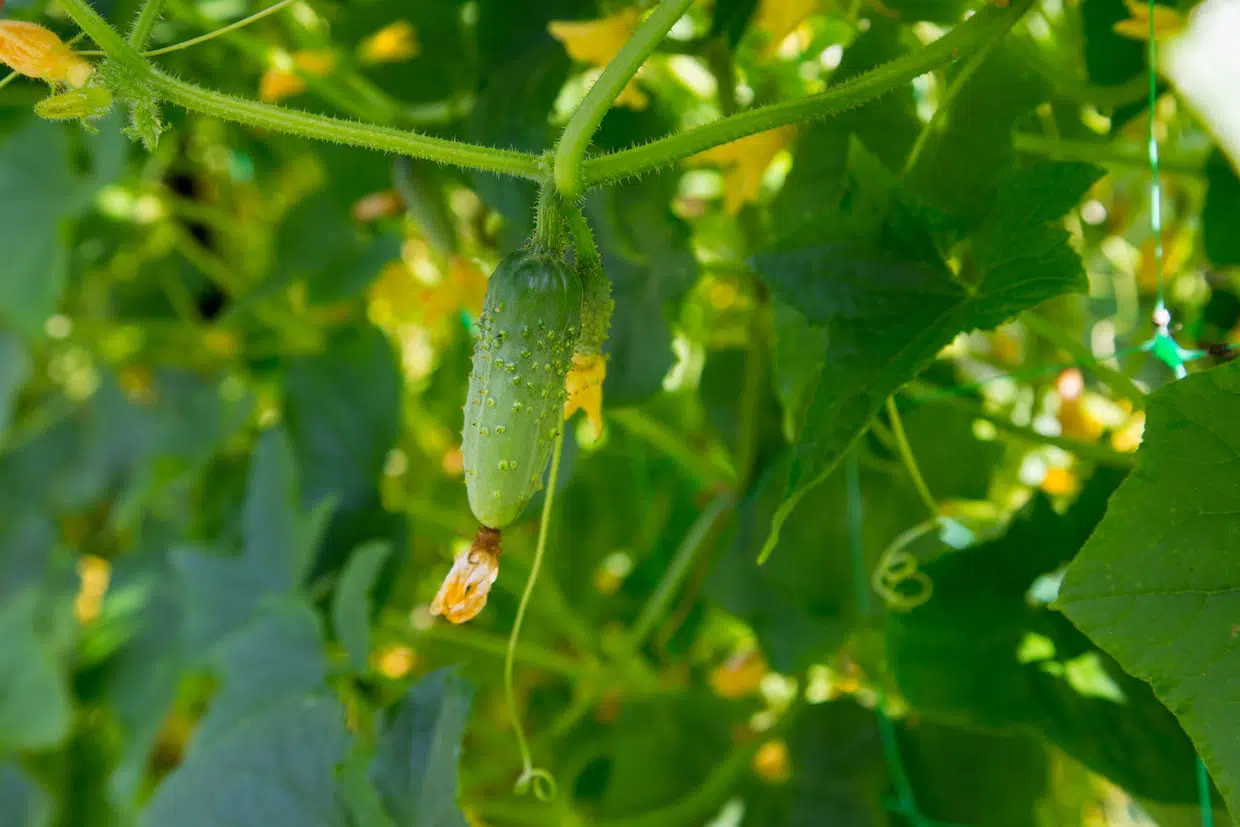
1218 214
351 603
941 437
962 777
275 770
35 706
276 656
1110 58
226 590
26 804
415 767
14 370
970 147
979 654
39 193
1157 584
796 359
855 288
342 407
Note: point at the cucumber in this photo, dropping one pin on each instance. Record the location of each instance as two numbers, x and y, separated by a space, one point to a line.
530 323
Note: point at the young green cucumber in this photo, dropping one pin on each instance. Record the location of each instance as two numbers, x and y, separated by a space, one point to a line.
530 322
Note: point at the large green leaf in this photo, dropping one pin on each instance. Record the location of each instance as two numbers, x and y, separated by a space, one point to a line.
1158 585
889 306
275 770
415 765
980 654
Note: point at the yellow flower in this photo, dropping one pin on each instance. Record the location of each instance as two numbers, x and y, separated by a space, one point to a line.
1167 22
280 82
394 43
584 385
744 162
772 762
596 42
780 18
739 675
464 592
34 51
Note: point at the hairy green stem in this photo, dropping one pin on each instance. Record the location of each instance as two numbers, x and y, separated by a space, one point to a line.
676 572
148 16
589 114
988 24
305 125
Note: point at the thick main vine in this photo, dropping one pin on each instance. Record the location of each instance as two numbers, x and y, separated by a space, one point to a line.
573 170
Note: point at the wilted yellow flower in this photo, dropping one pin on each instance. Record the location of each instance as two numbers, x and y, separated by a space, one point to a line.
34 51
1167 22
464 591
584 385
780 18
393 43
279 82
744 162
596 42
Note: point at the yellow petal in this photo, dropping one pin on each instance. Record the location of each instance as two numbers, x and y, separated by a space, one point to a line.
278 84
468 284
595 42
739 675
744 162
394 43
1167 22
584 385
317 62
772 762
37 52
780 18
464 592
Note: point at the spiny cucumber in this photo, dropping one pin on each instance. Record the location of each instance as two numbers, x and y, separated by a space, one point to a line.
530 323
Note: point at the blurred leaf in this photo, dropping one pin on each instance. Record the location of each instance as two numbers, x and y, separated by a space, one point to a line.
796 360
224 591
942 438
351 601
934 11
1110 58
14 370
342 407
277 769
39 192
1218 214
855 287
962 777
26 804
839 774
35 706
1162 597
731 19
800 620
276 657
415 766
980 655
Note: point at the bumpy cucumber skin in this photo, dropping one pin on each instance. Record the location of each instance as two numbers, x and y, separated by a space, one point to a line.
530 323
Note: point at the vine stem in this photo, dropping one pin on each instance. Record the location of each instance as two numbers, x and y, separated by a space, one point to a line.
910 461
589 113
542 783
301 124
988 24
148 16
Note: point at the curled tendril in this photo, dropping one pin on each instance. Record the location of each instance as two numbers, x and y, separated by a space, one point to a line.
897 568
541 782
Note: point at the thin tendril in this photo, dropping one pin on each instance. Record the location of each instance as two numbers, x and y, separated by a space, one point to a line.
231 27
541 781
910 461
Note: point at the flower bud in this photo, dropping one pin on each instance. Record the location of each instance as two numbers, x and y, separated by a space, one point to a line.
91 102
32 50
